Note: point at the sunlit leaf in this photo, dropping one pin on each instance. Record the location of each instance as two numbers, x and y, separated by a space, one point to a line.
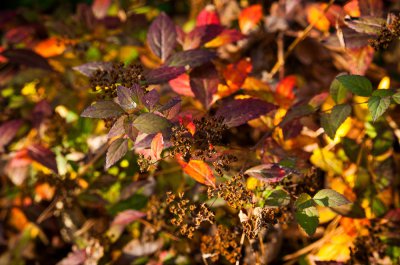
157 146
316 16
378 105
357 84
250 17
326 160
50 47
102 110
125 98
269 173
198 170
332 121
181 85
225 37
100 7
330 198
150 123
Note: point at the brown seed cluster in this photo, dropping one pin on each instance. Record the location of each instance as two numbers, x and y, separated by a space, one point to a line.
368 249
143 162
208 133
223 243
105 82
233 191
260 218
389 33
187 216
155 213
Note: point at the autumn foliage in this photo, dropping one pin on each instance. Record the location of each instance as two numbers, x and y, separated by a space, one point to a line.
200 132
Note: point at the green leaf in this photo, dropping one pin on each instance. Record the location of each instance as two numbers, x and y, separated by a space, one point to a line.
332 121
377 106
357 84
278 197
383 93
306 213
330 198
352 210
102 110
116 151
338 91
150 123
396 97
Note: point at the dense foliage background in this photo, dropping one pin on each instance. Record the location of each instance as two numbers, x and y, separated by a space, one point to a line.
200 132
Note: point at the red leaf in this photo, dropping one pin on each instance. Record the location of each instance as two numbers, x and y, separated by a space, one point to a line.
249 18
269 172
161 36
198 170
286 86
26 57
181 85
208 16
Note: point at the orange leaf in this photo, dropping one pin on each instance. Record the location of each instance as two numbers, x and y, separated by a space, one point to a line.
44 191
181 85
352 8
286 86
157 145
235 75
227 36
249 18
50 47
198 170
316 16
18 219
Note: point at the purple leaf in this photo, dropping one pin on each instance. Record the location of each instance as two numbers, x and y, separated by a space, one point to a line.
103 109
171 109
191 58
269 172
43 156
8 130
41 111
199 35
88 69
116 151
297 112
204 83
367 25
26 57
238 112
118 128
161 36
138 93
163 74
125 98
150 99
292 129
131 130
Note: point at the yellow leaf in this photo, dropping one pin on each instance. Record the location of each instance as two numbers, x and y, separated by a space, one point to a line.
327 161
316 16
384 83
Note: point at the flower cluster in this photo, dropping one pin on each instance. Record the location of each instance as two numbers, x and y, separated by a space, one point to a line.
187 216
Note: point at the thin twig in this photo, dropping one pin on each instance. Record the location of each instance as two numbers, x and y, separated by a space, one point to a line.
299 39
